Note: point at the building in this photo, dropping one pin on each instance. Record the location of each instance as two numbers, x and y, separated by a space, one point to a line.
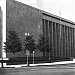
0 32
60 32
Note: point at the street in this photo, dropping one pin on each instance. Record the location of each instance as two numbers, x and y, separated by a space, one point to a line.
40 70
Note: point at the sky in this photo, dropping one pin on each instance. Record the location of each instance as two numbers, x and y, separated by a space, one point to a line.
63 8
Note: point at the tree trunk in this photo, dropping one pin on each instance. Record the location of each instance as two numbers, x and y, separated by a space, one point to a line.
13 55
47 53
30 54
43 53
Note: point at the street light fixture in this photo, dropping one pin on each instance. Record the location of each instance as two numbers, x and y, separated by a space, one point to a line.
27 34
27 52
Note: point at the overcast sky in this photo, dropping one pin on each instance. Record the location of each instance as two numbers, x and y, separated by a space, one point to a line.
67 7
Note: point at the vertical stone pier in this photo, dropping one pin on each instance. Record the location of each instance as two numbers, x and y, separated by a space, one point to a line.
2 30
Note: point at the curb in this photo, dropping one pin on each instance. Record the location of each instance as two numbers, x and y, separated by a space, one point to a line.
41 64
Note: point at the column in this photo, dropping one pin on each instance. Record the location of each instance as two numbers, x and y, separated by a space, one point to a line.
65 39
51 37
57 28
48 36
48 31
64 43
58 40
70 43
56 37
55 40
67 49
44 27
52 42
46 24
45 30
73 44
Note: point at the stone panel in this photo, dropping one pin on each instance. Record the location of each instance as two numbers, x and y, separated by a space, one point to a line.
57 33
51 38
54 44
52 51
68 42
61 41
55 40
23 19
67 46
74 42
58 40
64 43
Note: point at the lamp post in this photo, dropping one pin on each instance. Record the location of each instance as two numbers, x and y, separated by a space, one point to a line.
27 52
33 57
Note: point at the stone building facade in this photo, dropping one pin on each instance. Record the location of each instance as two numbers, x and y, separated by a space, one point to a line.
60 32
0 32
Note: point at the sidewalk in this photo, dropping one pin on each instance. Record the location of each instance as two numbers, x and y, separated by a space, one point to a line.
43 64
55 63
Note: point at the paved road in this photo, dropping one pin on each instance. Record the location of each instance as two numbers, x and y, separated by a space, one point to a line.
40 70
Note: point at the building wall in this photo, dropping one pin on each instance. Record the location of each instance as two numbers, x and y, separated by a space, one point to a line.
61 35
0 32
60 32
23 19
